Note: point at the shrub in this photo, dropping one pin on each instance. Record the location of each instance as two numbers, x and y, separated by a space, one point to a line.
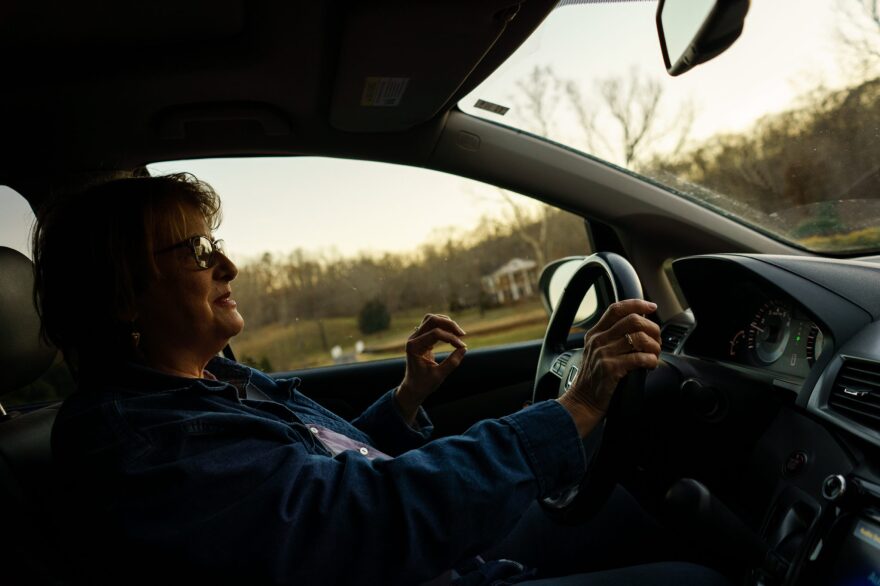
825 223
374 317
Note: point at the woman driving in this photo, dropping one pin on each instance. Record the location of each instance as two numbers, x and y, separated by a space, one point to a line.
184 465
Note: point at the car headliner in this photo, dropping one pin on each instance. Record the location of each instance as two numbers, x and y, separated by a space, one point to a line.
103 86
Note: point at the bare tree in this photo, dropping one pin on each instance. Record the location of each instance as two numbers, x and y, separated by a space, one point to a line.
633 104
523 222
529 223
858 32
595 141
633 120
539 96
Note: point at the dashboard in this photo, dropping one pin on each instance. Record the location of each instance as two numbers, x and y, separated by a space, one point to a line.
772 403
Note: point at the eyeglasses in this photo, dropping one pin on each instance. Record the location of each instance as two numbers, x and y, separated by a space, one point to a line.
203 248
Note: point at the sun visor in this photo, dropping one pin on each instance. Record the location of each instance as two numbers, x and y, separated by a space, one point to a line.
401 62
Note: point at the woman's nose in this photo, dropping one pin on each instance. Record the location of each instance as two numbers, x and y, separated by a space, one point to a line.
225 269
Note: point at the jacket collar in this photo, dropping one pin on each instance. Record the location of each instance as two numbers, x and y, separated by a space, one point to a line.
134 377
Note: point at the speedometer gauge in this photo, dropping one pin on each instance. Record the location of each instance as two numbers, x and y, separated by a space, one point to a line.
769 332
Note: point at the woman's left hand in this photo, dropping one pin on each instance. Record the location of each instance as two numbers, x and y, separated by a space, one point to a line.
423 373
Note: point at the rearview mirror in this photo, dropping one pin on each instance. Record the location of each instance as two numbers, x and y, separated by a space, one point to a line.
694 31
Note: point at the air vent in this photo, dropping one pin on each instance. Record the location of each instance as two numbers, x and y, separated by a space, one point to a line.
856 392
672 336
560 363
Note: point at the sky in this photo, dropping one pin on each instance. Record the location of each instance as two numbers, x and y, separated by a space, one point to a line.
276 205
322 205
333 205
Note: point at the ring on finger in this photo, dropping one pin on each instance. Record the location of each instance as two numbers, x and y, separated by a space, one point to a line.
629 340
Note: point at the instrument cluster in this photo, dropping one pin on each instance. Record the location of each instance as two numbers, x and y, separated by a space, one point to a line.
779 337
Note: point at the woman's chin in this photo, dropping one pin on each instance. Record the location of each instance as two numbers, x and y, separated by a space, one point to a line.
230 325
236 324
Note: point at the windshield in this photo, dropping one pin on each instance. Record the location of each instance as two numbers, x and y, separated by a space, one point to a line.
781 132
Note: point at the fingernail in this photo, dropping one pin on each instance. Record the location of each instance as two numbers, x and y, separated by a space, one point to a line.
652 305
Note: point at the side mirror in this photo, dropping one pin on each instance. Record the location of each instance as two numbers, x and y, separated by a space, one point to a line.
554 278
694 31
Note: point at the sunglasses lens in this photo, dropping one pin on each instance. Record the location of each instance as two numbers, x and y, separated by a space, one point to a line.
203 251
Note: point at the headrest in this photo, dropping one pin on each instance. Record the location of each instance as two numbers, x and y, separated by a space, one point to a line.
24 357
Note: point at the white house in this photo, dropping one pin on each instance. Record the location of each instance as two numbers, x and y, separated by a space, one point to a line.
516 279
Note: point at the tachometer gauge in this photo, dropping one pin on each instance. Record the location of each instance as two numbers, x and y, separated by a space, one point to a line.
769 332
736 343
815 339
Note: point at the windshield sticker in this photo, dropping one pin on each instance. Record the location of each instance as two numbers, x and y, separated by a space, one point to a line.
383 91
489 106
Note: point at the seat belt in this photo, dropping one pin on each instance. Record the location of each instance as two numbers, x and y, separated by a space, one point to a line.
227 353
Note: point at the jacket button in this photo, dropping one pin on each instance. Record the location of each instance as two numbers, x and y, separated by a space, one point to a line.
314 430
364 451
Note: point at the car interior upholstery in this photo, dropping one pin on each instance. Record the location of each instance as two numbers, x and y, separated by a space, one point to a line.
25 455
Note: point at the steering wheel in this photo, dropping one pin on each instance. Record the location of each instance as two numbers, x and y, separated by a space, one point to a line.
612 447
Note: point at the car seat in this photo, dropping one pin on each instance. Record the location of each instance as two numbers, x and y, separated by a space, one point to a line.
29 548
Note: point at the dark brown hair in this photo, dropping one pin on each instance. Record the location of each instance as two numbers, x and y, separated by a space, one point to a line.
94 254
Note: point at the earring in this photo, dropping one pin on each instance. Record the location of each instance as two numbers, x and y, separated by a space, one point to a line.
135 336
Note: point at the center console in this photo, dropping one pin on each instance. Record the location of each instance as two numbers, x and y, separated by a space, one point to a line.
843 547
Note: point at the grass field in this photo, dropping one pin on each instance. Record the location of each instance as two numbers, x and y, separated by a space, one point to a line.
864 239
299 344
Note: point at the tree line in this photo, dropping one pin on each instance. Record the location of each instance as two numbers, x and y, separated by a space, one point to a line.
806 159
312 285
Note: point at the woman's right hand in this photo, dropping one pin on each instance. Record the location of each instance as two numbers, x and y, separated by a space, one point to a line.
423 374
623 340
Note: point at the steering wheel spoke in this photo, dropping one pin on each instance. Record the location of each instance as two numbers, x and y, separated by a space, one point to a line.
560 365
569 368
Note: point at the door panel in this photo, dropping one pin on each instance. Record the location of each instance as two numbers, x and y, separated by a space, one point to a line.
490 382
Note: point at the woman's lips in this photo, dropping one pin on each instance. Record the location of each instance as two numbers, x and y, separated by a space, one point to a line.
226 300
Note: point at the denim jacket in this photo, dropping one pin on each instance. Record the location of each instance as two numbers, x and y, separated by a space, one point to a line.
172 472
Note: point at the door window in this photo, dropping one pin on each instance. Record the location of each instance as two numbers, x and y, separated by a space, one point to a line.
339 260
